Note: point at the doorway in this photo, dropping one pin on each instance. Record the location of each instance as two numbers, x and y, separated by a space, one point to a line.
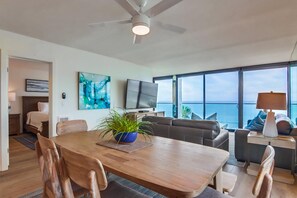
14 87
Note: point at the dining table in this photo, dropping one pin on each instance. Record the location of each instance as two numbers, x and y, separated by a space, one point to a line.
170 167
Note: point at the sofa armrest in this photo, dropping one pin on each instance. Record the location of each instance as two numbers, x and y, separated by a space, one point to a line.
240 144
221 141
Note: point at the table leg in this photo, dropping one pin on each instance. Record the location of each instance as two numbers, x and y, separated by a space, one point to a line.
218 181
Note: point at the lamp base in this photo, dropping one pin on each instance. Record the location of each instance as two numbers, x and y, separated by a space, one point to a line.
270 129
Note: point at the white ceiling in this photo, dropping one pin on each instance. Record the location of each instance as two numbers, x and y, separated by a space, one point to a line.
211 26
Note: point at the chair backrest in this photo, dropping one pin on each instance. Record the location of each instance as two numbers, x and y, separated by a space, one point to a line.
86 171
71 126
266 167
48 159
266 187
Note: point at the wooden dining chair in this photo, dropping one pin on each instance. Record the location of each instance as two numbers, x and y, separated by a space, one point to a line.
48 159
71 126
263 184
89 173
50 167
266 167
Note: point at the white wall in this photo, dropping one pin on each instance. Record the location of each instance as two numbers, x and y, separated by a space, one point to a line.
19 71
66 63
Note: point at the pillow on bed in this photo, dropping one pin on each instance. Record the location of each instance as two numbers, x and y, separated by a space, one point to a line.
42 106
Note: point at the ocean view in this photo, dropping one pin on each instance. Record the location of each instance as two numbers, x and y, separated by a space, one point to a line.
227 113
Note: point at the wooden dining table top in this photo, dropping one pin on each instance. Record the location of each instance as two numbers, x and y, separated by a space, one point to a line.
170 167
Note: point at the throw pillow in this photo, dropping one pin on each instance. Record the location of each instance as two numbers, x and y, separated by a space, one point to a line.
262 115
257 123
212 117
194 116
42 106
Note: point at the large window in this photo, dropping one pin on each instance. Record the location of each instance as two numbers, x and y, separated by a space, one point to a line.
221 98
294 94
264 80
164 98
190 96
228 96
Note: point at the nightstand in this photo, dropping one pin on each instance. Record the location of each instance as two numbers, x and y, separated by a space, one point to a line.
14 124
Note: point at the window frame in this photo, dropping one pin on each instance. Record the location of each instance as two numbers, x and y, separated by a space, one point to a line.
241 69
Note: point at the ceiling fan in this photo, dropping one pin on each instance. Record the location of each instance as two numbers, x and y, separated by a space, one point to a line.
141 20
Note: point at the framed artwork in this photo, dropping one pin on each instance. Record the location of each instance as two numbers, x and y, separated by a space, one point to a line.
94 91
33 85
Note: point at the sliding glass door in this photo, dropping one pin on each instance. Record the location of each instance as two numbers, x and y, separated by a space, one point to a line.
294 94
165 97
190 97
221 98
262 80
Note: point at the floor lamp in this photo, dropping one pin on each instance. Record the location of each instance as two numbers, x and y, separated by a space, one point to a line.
271 101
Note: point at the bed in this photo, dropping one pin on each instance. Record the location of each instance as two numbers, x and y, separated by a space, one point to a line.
30 109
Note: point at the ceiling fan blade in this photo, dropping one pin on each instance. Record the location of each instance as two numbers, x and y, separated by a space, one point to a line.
127 6
102 24
170 27
160 7
137 39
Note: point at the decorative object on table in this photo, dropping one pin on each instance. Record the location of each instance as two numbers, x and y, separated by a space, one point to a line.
33 85
122 128
94 91
271 101
11 98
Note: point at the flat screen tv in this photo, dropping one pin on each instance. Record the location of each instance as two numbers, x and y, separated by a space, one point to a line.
140 94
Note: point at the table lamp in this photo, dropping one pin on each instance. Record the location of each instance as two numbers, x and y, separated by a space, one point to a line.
271 101
11 98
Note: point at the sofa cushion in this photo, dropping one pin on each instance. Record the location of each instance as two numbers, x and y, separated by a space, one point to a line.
210 129
158 120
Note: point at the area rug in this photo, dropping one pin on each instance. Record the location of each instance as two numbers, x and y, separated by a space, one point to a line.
232 160
27 140
134 186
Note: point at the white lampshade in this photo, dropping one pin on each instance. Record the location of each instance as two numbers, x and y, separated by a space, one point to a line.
11 96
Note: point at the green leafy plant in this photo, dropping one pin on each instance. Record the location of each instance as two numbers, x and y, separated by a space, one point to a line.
116 123
186 111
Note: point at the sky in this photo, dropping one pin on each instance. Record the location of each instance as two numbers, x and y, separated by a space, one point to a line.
223 87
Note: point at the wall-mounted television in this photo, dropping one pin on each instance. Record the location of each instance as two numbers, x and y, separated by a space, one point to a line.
141 94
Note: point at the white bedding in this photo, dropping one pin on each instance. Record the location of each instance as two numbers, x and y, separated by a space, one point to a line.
35 118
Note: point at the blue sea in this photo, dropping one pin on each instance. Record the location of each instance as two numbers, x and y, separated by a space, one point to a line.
227 113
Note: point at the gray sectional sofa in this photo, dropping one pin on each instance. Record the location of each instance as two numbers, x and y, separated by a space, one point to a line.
203 132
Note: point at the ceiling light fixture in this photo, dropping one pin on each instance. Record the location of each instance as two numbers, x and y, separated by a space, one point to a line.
140 24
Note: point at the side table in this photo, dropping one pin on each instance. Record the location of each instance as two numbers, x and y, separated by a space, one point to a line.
14 124
280 141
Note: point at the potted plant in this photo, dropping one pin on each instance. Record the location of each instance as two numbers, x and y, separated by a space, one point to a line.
123 128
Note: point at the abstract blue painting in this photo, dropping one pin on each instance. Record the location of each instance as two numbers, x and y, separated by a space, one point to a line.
94 91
